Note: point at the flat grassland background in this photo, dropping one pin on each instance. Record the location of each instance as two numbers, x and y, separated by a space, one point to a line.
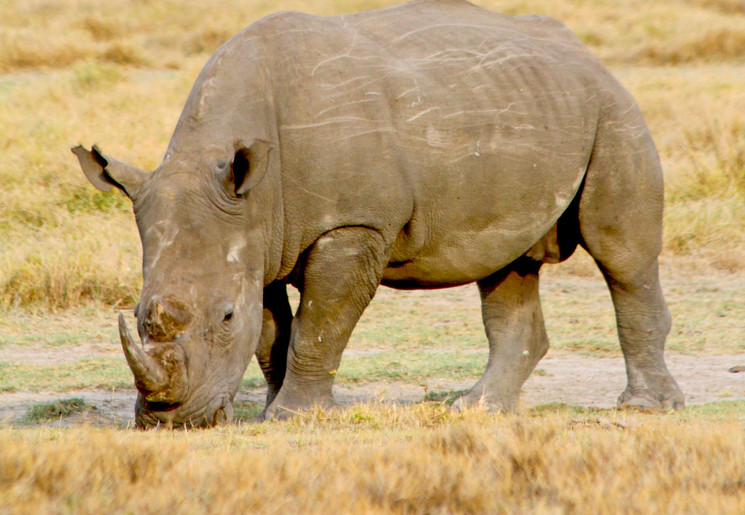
118 72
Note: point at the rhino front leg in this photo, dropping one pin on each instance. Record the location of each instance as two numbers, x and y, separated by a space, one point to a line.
513 320
341 273
271 353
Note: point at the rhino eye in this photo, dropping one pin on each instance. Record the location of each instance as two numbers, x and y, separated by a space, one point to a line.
228 316
222 165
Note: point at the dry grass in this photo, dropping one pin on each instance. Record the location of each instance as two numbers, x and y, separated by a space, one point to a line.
161 34
697 116
386 459
118 75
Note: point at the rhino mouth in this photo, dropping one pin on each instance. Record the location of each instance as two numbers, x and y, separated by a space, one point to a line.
164 398
150 415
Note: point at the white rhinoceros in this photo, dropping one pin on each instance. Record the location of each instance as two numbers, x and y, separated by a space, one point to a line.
422 146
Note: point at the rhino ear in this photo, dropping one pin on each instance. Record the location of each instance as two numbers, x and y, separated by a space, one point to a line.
104 171
249 165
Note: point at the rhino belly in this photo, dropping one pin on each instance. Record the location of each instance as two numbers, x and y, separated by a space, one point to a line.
457 254
451 263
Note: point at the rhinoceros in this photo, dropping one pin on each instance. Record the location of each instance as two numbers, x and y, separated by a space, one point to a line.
427 145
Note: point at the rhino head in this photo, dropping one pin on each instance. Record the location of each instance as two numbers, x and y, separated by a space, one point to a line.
200 312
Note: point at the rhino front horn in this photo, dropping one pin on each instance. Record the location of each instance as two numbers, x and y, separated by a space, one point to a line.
150 376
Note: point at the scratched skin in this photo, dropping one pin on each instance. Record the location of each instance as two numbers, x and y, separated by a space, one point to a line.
422 146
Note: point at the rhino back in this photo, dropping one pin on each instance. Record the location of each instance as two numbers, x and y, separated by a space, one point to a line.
460 134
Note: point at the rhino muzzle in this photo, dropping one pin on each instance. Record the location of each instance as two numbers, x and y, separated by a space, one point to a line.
160 373
153 415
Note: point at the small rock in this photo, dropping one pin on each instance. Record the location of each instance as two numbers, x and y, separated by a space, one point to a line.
738 368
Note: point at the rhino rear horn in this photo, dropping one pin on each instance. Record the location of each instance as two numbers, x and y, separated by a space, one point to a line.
166 318
105 172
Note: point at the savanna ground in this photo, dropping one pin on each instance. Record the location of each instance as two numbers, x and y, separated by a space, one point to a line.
117 73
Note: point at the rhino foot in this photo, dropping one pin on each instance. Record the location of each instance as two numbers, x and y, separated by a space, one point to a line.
285 406
276 413
646 400
477 399
651 387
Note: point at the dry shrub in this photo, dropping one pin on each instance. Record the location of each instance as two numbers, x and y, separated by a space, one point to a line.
716 150
710 228
100 28
713 45
72 265
122 53
23 49
697 117
470 463
725 6
207 39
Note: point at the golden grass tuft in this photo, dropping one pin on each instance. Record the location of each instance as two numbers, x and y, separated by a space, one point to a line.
393 460
725 6
716 151
713 45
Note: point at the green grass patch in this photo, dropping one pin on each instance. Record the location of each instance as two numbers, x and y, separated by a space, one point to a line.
412 366
52 339
109 373
445 319
714 411
39 413
446 397
708 412
246 411
85 199
253 378
70 328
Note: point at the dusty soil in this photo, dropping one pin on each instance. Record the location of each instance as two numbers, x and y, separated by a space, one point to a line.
561 378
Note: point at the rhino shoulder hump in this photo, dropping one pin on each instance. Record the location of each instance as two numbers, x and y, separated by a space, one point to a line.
542 21
283 21
546 26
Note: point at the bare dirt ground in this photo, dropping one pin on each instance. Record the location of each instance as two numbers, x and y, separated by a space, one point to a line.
562 378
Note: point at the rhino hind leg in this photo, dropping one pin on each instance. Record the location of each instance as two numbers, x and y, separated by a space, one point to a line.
339 276
514 325
643 322
620 218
